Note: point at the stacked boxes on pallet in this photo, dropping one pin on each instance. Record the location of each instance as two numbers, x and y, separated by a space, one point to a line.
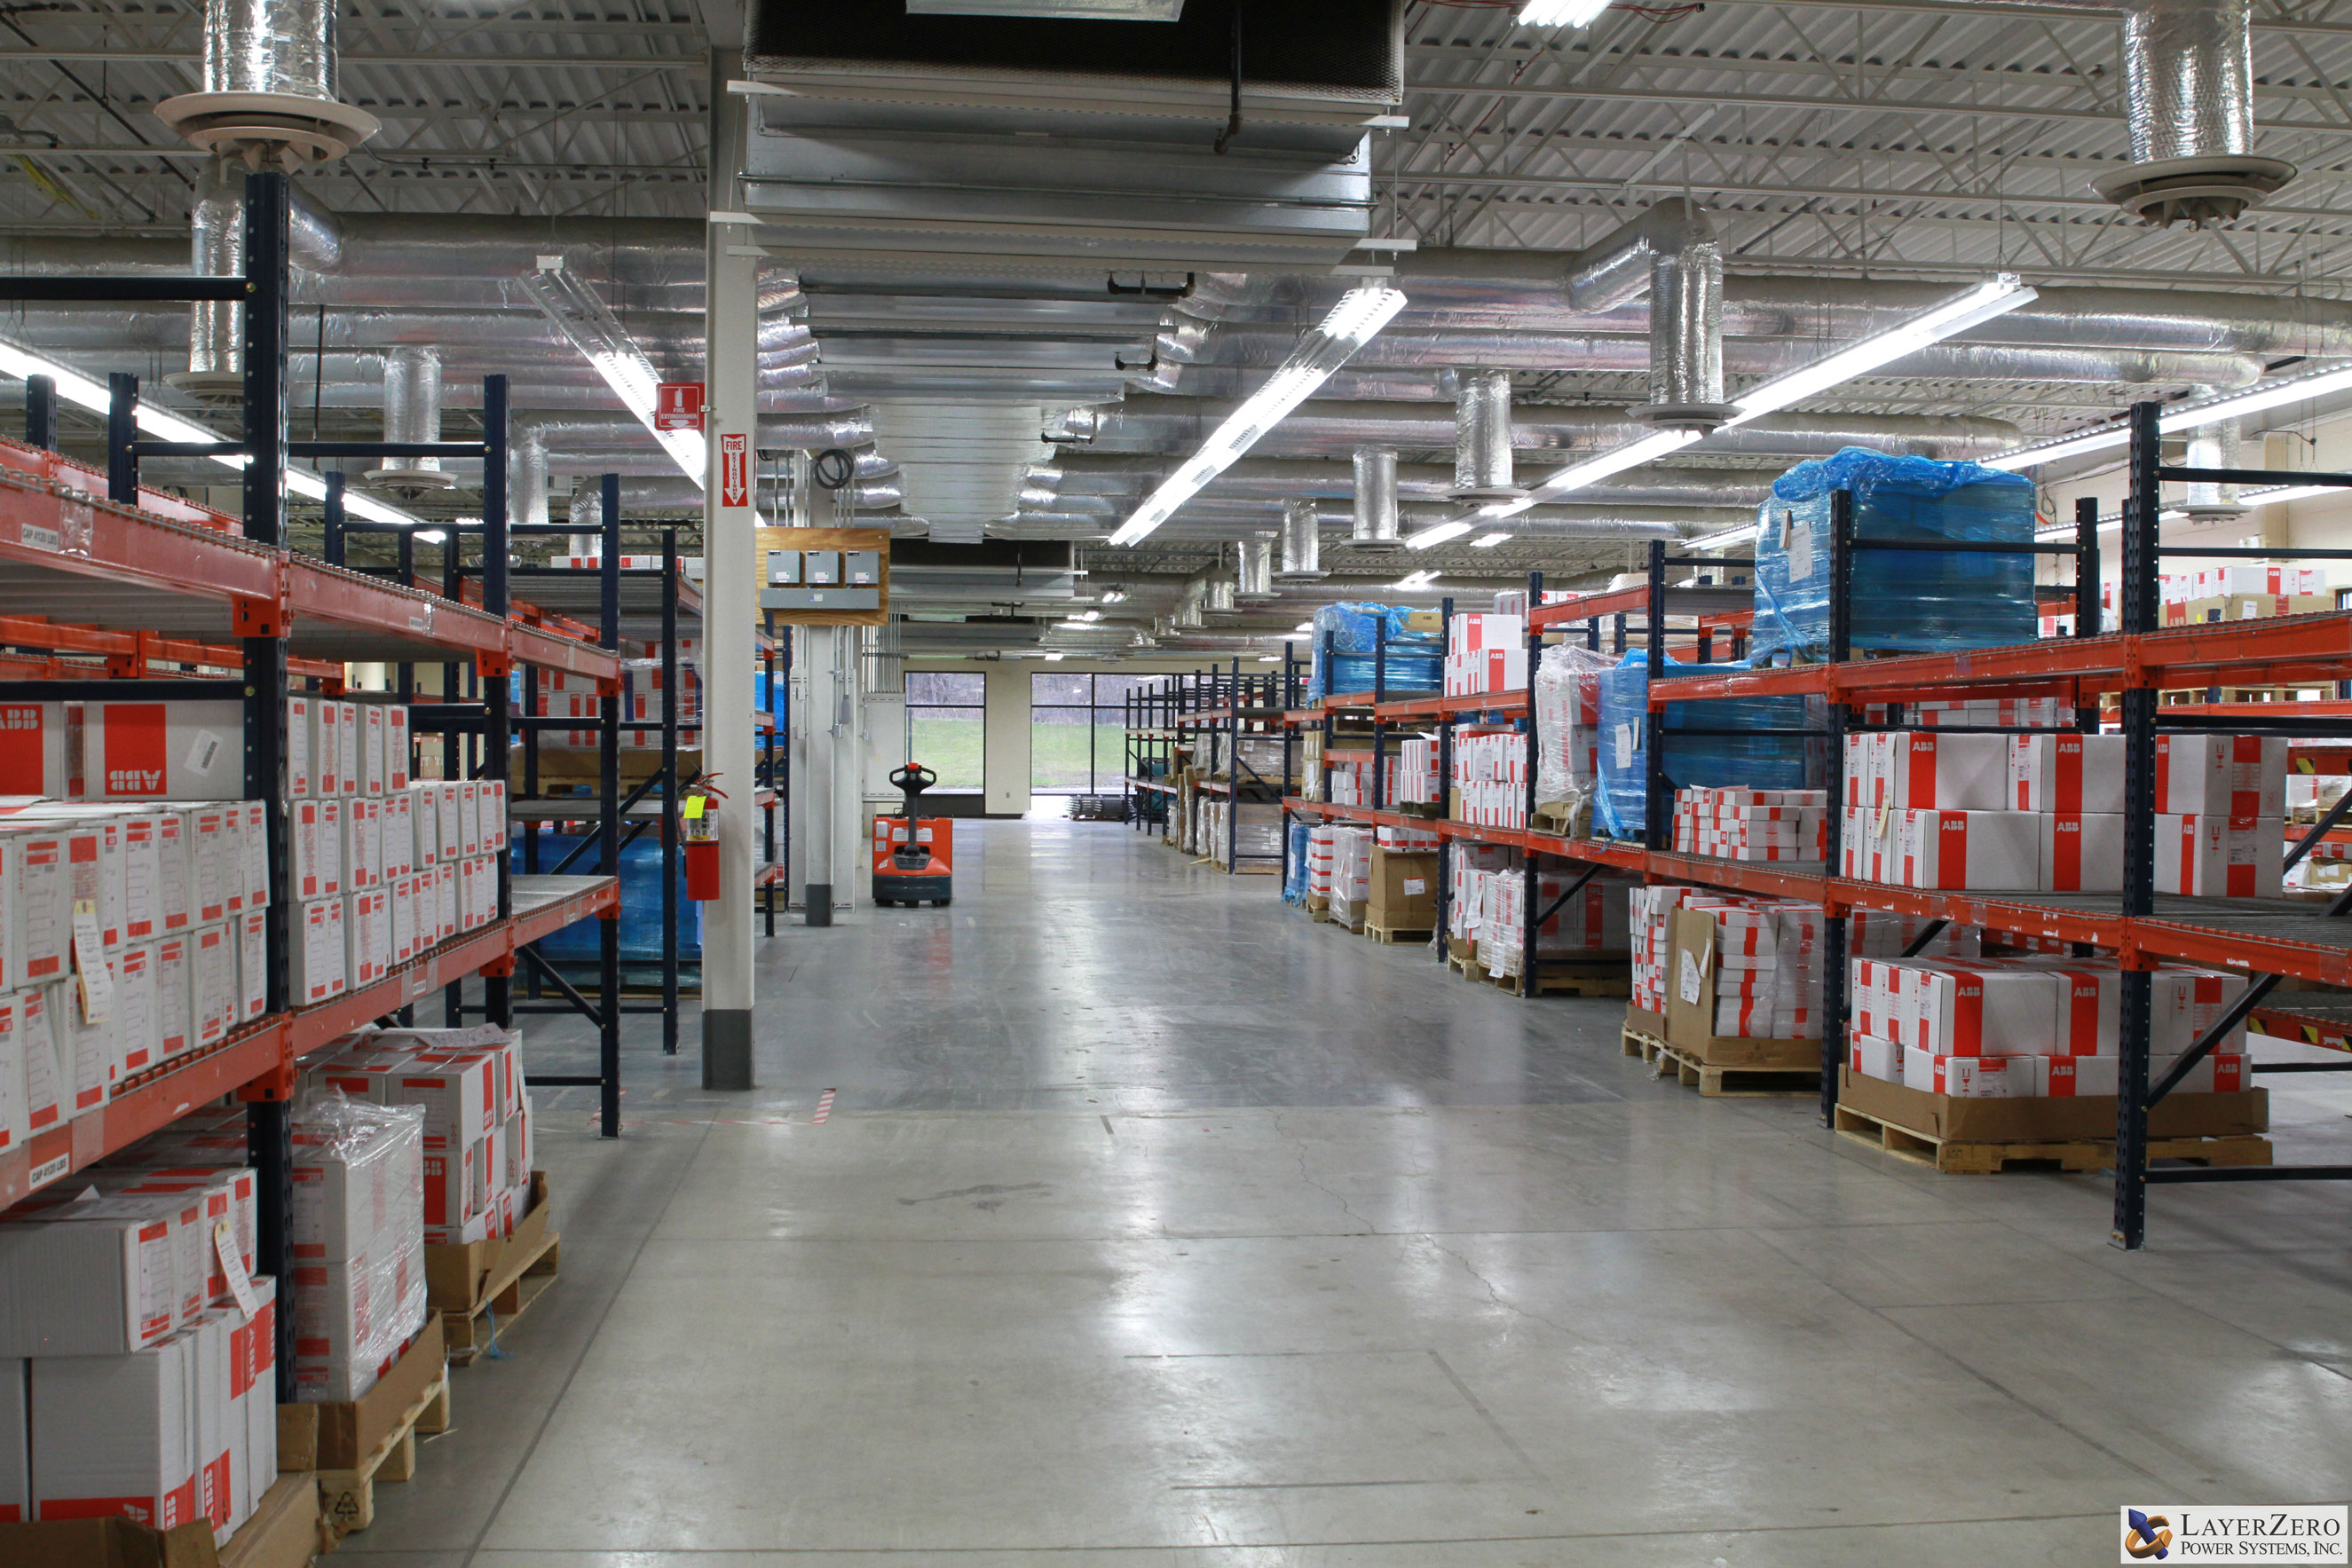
1742 824
1593 923
2022 1027
564 696
1468 867
361 1187
137 1351
1485 654
1765 955
1490 779
2043 812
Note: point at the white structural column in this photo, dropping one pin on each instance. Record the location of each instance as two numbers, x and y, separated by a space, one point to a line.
731 614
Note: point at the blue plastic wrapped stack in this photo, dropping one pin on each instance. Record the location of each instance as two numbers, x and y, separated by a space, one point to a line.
1294 873
1911 602
1759 761
1414 660
640 933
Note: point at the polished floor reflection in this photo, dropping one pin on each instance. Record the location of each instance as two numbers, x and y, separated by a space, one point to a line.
1152 1225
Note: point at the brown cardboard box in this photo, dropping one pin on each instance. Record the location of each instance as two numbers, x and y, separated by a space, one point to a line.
1652 1024
106 1543
1690 1006
338 1437
2045 1119
283 1531
1404 890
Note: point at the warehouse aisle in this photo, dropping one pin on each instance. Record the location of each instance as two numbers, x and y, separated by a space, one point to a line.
1152 1224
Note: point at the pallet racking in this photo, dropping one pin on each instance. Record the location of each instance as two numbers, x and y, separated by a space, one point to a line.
2264 939
112 560
1224 702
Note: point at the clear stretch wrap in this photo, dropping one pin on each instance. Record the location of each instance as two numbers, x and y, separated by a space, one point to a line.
1909 601
1294 870
358 1242
1415 657
1567 723
1761 761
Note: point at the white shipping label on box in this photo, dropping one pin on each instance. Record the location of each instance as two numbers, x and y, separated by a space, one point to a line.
175 750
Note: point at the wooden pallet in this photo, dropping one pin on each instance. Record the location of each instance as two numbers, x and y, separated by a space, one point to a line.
1555 979
347 1498
1717 1081
504 1298
1417 936
1468 969
2082 1157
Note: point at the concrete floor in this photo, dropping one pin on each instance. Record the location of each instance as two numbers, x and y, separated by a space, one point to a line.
1153 1224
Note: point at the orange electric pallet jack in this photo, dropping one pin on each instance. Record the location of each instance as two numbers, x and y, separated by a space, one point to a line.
913 855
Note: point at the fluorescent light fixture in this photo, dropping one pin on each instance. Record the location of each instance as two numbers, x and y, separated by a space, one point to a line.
1488 541
1747 533
2255 399
1997 296
2283 493
1415 580
165 425
606 345
1561 13
1304 626
1354 321
1439 534
1054 658
1114 595
1594 469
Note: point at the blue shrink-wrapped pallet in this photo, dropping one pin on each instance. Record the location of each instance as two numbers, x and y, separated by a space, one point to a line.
640 933
1415 657
1920 602
1756 761
1294 874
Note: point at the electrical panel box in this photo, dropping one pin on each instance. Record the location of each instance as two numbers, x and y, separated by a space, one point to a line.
861 566
819 567
784 567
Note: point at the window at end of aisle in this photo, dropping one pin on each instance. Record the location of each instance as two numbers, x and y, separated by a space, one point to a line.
947 724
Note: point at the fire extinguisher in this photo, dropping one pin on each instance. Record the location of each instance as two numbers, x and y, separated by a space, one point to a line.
697 819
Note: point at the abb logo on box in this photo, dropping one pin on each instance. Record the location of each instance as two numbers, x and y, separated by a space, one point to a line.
678 405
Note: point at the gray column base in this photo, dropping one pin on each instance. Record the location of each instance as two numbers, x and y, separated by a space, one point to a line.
727 1047
817 905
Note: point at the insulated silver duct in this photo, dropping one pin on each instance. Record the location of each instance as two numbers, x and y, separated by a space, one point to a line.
1482 436
412 412
2188 89
1376 525
1254 569
2212 446
1218 596
270 85
217 249
587 519
527 481
1302 543
1672 250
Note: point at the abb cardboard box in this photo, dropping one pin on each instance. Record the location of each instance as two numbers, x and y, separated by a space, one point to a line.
204 839
169 750
33 749
470 818
116 1436
371 738
425 820
446 804
347 749
395 750
2063 771
175 996
252 929
174 897
212 982
2221 775
1963 1010
1486 653
143 891
318 951
326 748
367 935
398 831
1932 771
1876 1058
37 882
2081 851
1980 852
100 1277
401 901
2219 857
296 739
1968 1077
362 854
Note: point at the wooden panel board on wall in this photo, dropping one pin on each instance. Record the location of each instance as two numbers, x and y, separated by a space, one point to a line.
874 539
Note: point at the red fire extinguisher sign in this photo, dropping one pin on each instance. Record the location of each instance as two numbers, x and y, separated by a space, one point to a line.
735 470
678 405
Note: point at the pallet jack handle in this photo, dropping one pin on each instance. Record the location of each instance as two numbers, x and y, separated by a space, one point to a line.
912 781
